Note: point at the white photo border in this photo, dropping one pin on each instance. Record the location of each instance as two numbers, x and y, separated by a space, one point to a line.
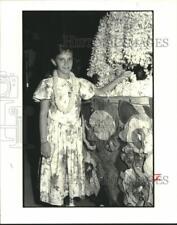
165 111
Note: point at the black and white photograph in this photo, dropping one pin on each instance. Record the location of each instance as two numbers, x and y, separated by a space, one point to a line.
88 108
88 103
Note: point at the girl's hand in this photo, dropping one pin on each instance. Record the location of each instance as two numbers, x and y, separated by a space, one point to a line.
45 149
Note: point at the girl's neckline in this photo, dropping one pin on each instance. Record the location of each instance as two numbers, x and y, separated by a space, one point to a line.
63 78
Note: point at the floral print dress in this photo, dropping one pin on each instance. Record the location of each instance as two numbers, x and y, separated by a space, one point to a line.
63 173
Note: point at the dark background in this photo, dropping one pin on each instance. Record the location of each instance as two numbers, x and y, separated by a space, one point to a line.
41 31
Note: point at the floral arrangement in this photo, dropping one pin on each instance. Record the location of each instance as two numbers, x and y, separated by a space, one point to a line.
123 41
133 87
103 124
135 182
138 39
137 188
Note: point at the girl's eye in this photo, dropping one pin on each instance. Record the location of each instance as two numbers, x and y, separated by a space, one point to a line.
61 59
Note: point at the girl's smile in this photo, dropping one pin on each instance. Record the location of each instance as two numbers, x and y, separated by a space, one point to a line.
64 63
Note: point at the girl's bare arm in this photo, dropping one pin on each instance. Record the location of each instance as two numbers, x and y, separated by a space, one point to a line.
45 146
44 107
112 84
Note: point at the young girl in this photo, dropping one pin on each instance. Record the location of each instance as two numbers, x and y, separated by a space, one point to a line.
62 166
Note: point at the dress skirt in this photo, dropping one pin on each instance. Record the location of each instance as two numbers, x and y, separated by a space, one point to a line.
63 173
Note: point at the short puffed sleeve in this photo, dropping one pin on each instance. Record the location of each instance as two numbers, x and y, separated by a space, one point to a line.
44 90
87 89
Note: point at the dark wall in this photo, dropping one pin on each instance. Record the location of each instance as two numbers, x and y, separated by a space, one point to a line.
42 29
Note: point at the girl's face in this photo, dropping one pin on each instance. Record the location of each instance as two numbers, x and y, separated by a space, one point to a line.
64 62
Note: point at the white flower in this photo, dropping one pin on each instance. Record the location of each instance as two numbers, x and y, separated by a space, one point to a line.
123 38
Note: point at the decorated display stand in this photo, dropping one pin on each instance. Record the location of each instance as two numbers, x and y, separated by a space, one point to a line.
118 126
